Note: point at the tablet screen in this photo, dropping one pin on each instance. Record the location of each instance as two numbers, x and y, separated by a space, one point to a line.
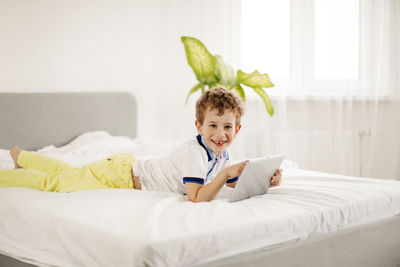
255 178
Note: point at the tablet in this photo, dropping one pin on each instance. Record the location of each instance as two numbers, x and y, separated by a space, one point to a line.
255 178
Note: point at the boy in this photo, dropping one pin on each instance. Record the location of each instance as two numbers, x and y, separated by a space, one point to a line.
199 167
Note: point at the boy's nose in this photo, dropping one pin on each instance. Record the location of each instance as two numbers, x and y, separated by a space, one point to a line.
220 132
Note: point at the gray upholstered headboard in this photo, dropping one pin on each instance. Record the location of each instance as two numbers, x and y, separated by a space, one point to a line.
34 120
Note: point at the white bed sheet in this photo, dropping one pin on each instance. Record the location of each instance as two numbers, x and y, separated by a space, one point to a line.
121 227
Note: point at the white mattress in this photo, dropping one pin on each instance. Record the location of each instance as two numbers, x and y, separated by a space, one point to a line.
121 227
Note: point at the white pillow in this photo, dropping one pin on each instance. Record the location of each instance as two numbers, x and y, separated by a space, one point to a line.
6 161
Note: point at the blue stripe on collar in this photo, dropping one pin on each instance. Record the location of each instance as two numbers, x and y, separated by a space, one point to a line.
210 153
226 154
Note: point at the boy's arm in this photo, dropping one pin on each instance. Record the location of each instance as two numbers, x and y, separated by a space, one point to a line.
231 185
274 181
198 192
277 178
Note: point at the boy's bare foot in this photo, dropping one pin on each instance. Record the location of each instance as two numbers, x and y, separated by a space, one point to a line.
14 152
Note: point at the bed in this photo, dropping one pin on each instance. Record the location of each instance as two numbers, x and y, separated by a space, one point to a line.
312 219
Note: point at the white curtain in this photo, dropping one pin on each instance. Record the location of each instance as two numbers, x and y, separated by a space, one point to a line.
345 126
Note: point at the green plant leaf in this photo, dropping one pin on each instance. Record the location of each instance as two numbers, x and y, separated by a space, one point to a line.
200 59
238 89
266 99
254 79
194 89
225 73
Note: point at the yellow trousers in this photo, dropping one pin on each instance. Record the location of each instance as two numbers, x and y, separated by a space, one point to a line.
50 174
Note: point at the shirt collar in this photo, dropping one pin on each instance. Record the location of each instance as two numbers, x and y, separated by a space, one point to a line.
210 154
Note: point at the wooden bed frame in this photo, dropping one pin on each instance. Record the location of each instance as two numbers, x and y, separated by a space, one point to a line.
33 120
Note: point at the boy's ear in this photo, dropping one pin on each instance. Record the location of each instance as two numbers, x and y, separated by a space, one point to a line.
198 127
238 129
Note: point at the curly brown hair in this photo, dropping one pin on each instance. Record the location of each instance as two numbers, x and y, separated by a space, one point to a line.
221 99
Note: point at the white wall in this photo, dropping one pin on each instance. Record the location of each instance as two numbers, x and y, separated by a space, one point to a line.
105 45
97 46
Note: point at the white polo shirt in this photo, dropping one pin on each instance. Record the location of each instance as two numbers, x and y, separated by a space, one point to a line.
191 162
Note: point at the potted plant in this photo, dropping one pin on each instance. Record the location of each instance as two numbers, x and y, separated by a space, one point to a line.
211 71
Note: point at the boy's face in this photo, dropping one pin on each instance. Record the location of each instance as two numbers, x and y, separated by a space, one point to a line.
218 131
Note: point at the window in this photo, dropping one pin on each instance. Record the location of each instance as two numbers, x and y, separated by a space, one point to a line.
306 46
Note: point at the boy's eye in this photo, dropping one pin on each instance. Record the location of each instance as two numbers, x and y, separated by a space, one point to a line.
213 125
228 127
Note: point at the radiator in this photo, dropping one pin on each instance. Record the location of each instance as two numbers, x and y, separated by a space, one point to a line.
341 152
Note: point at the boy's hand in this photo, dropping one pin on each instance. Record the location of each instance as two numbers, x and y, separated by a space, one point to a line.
235 170
276 179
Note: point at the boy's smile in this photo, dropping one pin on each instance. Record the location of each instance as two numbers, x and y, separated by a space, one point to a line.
218 131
